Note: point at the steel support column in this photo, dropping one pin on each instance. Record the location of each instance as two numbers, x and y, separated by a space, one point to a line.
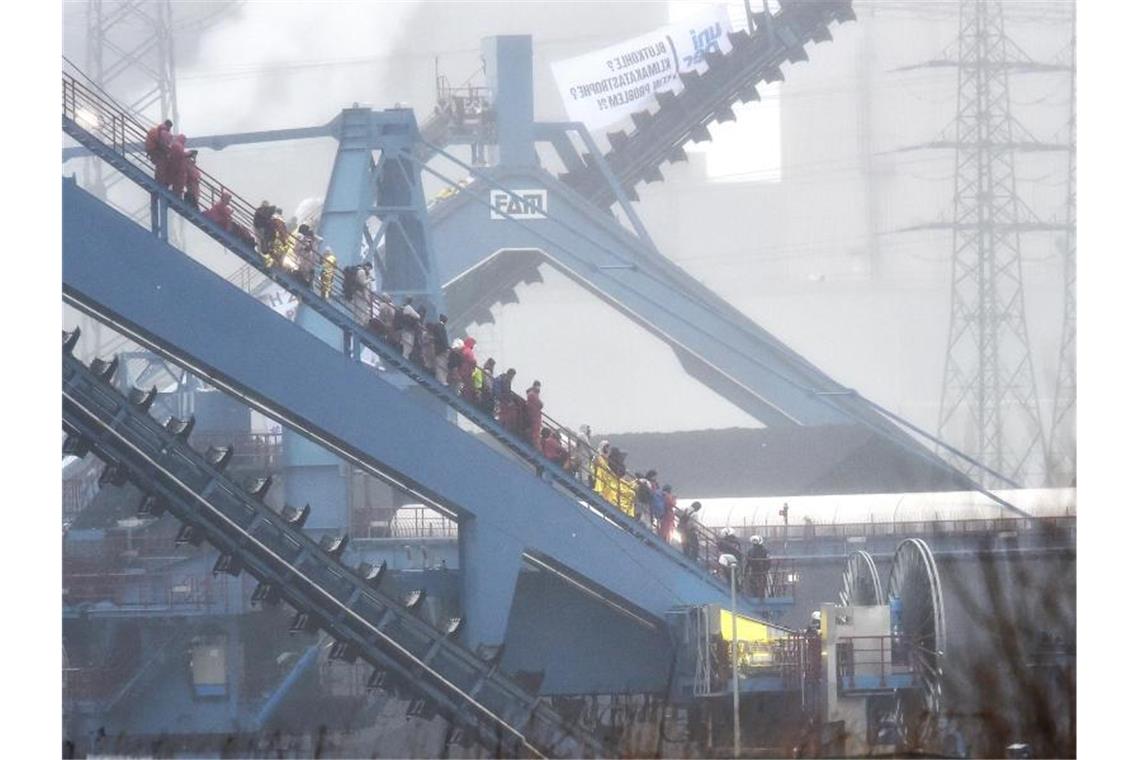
490 562
374 197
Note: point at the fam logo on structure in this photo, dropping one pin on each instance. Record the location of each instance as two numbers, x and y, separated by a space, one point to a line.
518 204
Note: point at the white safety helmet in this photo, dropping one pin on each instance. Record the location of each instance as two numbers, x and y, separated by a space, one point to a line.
757 540
815 616
727 532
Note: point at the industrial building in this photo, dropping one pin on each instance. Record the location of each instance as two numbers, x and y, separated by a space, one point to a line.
813 261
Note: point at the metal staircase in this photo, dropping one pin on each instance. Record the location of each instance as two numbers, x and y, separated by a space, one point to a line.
291 566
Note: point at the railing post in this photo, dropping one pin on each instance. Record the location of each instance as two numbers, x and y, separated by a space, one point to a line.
882 662
158 216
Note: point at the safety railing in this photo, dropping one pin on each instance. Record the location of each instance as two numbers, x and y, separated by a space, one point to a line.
78 492
795 659
140 544
145 591
420 522
771 578
101 116
90 109
870 662
466 105
931 527
798 658
251 450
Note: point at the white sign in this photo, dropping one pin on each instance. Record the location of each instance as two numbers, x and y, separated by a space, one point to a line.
607 85
518 204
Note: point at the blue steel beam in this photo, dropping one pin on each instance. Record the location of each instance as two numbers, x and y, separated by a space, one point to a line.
593 249
373 188
508 62
781 363
179 309
304 663
436 126
220 142
756 371
715 342
362 192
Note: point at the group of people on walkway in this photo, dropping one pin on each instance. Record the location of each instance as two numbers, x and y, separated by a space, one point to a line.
408 328
638 495
753 574
175 167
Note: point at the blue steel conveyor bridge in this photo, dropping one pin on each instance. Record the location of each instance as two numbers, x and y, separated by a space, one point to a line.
132 279
111 270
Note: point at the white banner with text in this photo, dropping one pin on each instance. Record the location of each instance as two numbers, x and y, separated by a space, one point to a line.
603 87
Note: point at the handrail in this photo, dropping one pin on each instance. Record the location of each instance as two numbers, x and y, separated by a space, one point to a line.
92 115
874 656
942 526
101 116
165 590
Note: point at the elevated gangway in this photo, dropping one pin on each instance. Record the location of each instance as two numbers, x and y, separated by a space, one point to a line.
130 278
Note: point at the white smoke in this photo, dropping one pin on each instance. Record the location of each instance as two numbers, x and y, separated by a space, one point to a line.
309 211
288 64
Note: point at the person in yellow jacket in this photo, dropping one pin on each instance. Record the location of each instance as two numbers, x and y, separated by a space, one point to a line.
328 272
627 490
605 482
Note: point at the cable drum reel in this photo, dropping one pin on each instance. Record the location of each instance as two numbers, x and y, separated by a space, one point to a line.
918 622
861 586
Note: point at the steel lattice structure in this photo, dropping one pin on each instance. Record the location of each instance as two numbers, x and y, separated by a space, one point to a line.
132 40
989 392
1062 434
130 44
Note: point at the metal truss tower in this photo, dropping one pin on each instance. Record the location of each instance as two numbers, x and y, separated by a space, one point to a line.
132 40
1062 434
130 47
989 391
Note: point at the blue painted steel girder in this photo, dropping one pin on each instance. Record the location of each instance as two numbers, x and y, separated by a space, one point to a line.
375 195
182 310
716 344
755 371
374 192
